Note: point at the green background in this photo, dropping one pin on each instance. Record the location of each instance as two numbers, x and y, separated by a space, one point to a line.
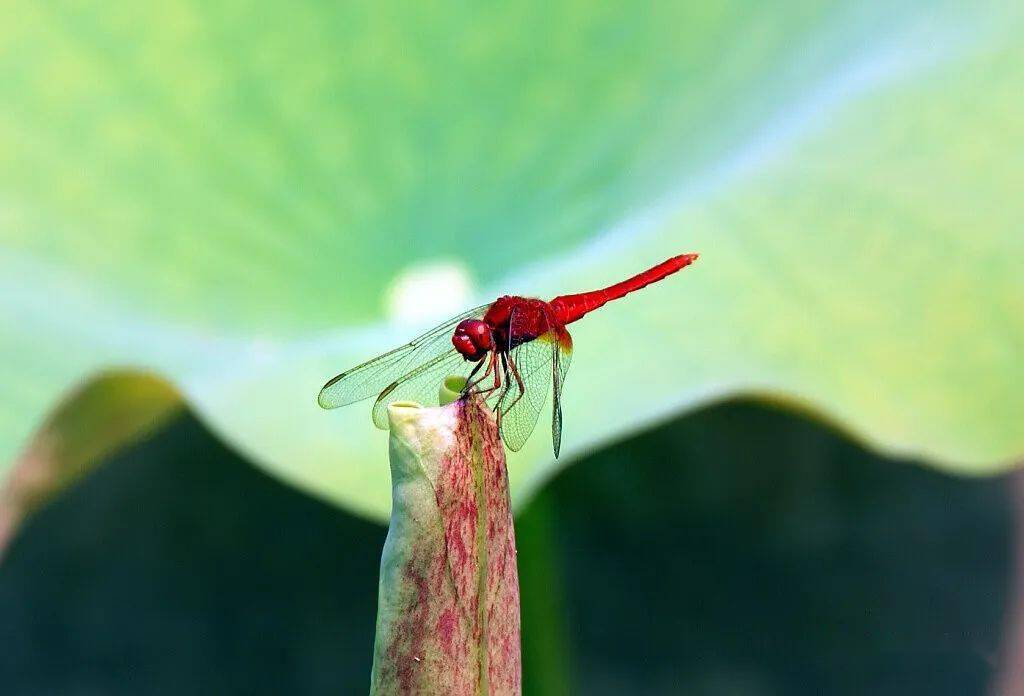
207 209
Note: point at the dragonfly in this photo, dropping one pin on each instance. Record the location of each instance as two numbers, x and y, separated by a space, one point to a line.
512 352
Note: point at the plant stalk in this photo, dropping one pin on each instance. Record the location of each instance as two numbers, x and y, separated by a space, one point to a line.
448 604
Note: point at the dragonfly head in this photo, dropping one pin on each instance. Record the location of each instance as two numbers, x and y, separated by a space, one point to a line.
473 339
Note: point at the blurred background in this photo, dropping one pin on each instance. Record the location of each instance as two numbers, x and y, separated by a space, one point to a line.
738 550
788 469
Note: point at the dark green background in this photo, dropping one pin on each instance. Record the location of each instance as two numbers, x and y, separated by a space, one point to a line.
738 550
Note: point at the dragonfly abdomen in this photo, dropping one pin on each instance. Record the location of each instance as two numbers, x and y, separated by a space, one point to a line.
569 308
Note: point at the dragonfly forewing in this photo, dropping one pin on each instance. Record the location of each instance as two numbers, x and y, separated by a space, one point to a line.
421 385
374 376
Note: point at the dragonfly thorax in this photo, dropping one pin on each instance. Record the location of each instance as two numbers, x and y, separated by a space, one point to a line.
473 339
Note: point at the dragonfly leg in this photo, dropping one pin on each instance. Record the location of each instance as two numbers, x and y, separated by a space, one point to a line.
498 410
497 375
511 366
471 383
493 367
469 378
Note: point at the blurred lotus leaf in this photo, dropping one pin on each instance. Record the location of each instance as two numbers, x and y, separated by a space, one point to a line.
249 197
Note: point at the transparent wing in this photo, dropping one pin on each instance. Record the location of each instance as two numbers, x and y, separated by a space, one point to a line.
373 376
561 356
520 404
422 384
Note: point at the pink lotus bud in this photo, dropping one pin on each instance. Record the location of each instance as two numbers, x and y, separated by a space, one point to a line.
448 606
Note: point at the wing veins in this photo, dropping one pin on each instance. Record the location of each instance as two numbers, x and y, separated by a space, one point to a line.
371 377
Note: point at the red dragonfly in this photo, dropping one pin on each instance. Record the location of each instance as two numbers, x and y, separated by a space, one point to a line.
510 352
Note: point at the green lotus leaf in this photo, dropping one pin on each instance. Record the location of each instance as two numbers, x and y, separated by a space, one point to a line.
248 198
109 412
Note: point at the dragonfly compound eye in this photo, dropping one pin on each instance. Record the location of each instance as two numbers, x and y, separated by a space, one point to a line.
472 338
